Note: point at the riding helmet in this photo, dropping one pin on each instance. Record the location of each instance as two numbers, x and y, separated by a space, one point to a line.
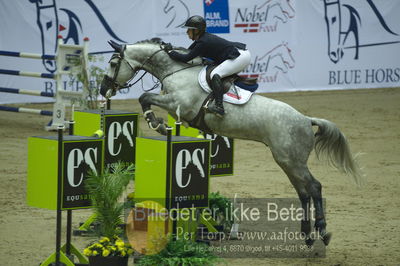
195 22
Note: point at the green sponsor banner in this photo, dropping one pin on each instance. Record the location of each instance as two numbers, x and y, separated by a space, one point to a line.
80 154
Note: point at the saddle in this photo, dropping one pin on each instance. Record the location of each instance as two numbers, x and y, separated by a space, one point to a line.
246 83
238 90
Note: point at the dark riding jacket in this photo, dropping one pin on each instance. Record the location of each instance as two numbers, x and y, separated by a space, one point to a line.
212 47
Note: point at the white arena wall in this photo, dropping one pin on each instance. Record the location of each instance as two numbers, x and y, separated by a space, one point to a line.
295 44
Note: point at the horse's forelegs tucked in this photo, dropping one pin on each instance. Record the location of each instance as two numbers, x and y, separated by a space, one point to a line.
155 123
145 102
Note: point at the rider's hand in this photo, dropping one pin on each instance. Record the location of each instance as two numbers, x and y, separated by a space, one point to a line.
168 47
206 61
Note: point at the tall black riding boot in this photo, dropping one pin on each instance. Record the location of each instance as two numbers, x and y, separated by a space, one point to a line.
218 91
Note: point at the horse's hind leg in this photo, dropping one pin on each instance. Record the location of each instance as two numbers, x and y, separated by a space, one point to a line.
314 187
305 200
307 187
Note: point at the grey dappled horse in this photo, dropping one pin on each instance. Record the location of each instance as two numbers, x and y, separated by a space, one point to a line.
288 133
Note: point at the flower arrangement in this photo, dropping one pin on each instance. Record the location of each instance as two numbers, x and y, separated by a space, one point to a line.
106 247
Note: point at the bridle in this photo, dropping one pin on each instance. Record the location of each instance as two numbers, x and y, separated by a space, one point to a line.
112 83
115 86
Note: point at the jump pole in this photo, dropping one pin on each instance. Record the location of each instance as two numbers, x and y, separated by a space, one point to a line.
27 92
27 55
25 110
64 68
27 74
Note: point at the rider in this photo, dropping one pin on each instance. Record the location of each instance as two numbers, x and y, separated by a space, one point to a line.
230 57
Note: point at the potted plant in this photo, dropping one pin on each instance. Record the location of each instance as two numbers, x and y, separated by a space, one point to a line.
181 252
221 208
91 82
105 190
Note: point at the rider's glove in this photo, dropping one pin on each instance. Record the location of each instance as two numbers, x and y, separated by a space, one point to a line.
168 47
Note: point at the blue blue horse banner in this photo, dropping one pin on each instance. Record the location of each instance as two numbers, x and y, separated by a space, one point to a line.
295 44
348 44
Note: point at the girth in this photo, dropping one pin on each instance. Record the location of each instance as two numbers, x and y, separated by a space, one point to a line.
198 122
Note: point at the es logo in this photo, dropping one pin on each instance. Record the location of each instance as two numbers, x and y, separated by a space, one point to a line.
120 134
189 164
79 161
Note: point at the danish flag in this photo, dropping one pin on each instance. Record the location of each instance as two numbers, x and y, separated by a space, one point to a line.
248 27
209 2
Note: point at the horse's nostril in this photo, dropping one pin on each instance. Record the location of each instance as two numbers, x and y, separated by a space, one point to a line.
333 55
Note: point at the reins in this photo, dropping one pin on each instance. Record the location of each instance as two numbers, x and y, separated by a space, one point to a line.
187 67
157 83
145 72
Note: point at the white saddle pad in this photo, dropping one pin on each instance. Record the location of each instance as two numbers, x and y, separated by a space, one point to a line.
235 95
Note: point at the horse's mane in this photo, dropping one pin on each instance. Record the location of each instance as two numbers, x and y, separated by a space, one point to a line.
154 40
159 41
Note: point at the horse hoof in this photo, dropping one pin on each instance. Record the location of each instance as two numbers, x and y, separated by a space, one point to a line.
326 238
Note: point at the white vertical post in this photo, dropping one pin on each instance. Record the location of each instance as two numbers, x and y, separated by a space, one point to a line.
59 106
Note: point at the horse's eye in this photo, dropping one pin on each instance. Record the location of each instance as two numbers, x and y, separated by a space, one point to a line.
333 20
113 64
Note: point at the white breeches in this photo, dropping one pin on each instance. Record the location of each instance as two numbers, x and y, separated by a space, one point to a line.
233 66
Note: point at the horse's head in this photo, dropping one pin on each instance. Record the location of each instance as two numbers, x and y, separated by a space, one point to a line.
128 60
333 23
120 71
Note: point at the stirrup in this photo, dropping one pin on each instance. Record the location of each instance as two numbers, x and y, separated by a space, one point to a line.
217 110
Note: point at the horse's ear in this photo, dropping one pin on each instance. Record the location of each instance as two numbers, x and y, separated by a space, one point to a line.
117 47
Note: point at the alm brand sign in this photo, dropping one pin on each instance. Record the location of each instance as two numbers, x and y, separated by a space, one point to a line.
221 155
120 140
216 14
190 174
79 159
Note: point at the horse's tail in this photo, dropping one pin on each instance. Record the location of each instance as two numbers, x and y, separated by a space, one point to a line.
332 144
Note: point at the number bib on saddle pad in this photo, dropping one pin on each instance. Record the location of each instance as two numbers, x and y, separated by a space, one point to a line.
235 95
